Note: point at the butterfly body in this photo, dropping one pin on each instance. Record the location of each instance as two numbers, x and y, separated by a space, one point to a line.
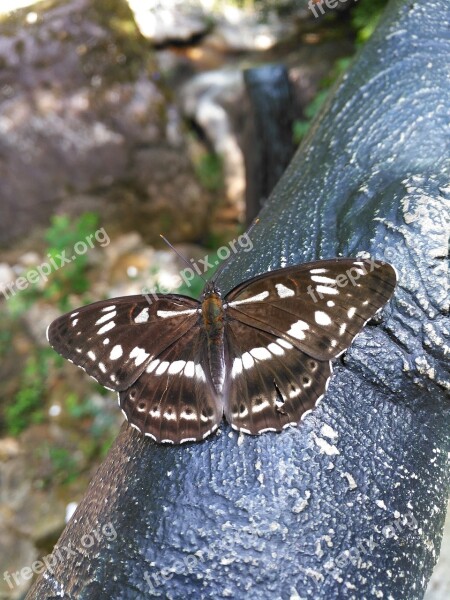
261 357
213 321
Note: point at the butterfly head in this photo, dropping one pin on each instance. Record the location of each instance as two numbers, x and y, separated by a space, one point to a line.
211 289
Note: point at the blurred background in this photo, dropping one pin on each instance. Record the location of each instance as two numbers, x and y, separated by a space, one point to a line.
121 120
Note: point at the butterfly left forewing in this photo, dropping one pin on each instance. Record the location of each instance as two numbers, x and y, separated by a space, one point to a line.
270 384
113 340
318 307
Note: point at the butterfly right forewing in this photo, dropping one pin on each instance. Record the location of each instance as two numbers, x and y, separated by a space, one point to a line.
318 307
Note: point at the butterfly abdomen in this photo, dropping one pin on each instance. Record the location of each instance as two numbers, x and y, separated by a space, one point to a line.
213 319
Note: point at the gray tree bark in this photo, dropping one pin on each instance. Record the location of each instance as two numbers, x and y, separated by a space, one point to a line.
351 503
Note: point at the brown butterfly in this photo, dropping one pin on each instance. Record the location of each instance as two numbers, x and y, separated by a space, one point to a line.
261 356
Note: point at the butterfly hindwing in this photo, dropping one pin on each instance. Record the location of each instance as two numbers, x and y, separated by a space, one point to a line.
318 307
173 400
270 384
114 340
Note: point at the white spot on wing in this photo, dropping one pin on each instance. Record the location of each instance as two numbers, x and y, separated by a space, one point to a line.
247 360
188 416
275 349
322 318
317 271
116 352
106 309
322 279
298 329
166 314
327 289
189 369
176 367
199 373
74 322
237 367
139 354
351 312
106 328
261 353
107 317
170 416
259 407
283 291
106 341
257 298
152 366
284 343
91 355
162 368
142 317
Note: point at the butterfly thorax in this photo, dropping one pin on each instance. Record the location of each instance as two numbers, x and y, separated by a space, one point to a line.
213 319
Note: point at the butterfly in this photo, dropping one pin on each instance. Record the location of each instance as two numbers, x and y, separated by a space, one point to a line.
260 357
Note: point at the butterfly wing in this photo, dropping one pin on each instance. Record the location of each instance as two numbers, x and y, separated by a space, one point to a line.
318 307
270 384
174 399
114 340
151 353
285 326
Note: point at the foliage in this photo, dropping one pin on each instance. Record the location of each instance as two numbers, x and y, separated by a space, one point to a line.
64 465
365 17
209 171
26 407
78 409
62 237
301 126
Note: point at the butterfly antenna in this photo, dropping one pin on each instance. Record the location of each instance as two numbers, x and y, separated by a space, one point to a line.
225 262
183 258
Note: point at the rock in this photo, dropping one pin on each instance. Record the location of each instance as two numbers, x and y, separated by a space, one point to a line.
26 514
209 99
79 97
238 30
169 20
6 275
36 320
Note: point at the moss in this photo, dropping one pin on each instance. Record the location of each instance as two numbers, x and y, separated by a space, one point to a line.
124 53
